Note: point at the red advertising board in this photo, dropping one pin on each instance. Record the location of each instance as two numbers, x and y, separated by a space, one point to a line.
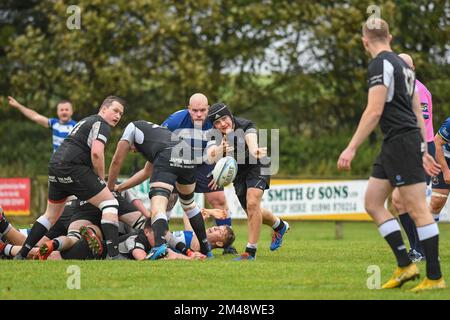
15 195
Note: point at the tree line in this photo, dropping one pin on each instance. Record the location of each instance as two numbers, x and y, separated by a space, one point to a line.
294 65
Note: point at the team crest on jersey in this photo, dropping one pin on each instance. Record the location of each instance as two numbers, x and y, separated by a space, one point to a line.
426 114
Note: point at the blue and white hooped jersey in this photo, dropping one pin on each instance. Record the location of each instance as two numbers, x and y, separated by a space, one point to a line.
184 237
181 123
60 130
444 132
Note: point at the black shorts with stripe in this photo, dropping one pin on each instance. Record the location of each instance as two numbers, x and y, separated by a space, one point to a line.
170 170
72 179
400 160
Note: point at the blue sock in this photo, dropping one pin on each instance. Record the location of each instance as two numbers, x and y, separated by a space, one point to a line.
221 222
411 232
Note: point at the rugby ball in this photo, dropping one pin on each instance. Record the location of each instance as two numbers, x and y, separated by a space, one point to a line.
225 171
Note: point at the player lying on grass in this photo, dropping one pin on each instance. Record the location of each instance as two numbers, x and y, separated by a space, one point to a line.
182 244
253 174
65 233
75 216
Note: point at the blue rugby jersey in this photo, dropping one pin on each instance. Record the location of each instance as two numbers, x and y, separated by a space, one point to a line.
181 123
184 236
60 130
444 132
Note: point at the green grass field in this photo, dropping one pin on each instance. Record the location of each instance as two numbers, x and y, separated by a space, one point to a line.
310 265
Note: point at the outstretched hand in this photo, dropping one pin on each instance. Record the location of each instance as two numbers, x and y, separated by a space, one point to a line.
216 213
260 153
13 102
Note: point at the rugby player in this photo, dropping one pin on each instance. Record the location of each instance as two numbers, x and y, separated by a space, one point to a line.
191 124
77 168
251 180
403 157
416 252
60 126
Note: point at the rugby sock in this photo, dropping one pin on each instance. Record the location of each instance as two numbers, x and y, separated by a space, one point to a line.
278 225
429 237
390 230
251 249
435 217
110 231
198 225
7 250
411 232
79 251
223 222
39 229
57 244
160 227
226 221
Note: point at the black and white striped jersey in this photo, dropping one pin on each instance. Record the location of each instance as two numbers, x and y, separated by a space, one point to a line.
391 71
134 241
149 138
76 148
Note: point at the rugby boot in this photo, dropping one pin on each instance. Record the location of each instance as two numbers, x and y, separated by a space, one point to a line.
402 275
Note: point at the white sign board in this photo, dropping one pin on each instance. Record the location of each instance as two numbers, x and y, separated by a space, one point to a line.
310 200
300 199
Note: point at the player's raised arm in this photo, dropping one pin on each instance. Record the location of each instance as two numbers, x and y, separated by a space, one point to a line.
29 113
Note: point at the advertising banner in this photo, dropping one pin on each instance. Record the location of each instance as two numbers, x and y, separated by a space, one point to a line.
310 200
15 195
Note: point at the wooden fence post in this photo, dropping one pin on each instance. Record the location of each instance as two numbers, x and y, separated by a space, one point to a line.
339 230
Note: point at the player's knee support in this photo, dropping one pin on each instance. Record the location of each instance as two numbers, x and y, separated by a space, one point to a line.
109 206
159 191
74 234
159 216
438 195
187 201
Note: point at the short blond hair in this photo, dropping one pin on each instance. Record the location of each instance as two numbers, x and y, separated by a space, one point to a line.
376 29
